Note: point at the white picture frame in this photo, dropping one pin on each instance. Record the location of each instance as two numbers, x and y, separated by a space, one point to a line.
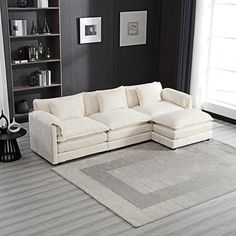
133 28
90 30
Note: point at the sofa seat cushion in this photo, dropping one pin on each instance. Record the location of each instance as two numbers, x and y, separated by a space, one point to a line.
81 142
158 108
121 118
80 127
184 132
182 119
129 131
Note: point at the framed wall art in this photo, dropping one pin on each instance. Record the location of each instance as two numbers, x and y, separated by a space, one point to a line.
133 28
90 30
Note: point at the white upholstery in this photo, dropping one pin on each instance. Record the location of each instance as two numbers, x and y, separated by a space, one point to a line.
91 103
179 98
184 132
112 99
175 143
128 131
68 108
43 104
182 119
80 127
82 142
62 129
149 93
158 108
131 95
120 118
129 141
81 152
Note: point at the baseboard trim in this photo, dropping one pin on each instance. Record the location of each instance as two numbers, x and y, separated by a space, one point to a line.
220 117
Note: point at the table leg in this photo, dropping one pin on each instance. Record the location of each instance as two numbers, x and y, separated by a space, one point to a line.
9 151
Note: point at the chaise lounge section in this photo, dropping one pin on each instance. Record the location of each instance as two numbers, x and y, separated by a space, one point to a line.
66 128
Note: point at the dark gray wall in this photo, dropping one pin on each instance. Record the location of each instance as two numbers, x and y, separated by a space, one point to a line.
106 65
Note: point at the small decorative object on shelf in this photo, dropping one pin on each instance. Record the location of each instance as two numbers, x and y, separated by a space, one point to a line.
18 27
42 3
22 107
46 29
22 3
48 53
14 127
40 51
3 123
34 29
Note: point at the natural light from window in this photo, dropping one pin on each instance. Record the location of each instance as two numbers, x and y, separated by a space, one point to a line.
222 57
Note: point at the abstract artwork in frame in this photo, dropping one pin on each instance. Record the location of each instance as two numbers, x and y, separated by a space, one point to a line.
90 30
133 28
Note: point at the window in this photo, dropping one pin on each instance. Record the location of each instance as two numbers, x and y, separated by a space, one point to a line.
222 55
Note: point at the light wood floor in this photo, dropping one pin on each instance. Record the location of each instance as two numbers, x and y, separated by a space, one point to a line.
36 201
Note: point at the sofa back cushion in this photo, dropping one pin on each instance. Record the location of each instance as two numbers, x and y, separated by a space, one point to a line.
68 107
149 93
132 95
112 99
91 104
55 105
91 101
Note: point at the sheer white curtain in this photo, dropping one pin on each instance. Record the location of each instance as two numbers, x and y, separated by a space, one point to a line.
201 51
3 85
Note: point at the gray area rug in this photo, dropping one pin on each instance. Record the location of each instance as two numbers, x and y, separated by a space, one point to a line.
146 182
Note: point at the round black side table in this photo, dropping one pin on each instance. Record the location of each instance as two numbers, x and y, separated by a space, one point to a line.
9 149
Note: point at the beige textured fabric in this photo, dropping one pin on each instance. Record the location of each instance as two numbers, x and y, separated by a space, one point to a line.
75 154
175 143
179 98
149 93
43 137
43 104
129 141
68 107
120 118
91 104
129 131
183 133
112 99
80 127
131 95
158 108
79 143
184 118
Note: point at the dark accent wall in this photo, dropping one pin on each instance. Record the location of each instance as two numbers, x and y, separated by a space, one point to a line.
105 65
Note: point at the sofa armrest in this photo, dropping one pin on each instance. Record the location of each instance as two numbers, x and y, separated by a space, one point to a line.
44 129
179 98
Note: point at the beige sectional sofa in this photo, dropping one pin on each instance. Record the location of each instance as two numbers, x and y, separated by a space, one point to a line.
66 128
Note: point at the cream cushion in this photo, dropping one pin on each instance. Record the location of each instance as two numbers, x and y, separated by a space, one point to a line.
68 107
149 93
82 142
116 119
91 103
184 132
182 119
131 95
129 131
179 98
80 127
112 99
158 108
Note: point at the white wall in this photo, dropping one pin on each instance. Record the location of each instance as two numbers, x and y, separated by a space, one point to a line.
3 84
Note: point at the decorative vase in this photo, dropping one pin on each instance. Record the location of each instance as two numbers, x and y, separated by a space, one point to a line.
22 107
3 123
14 127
